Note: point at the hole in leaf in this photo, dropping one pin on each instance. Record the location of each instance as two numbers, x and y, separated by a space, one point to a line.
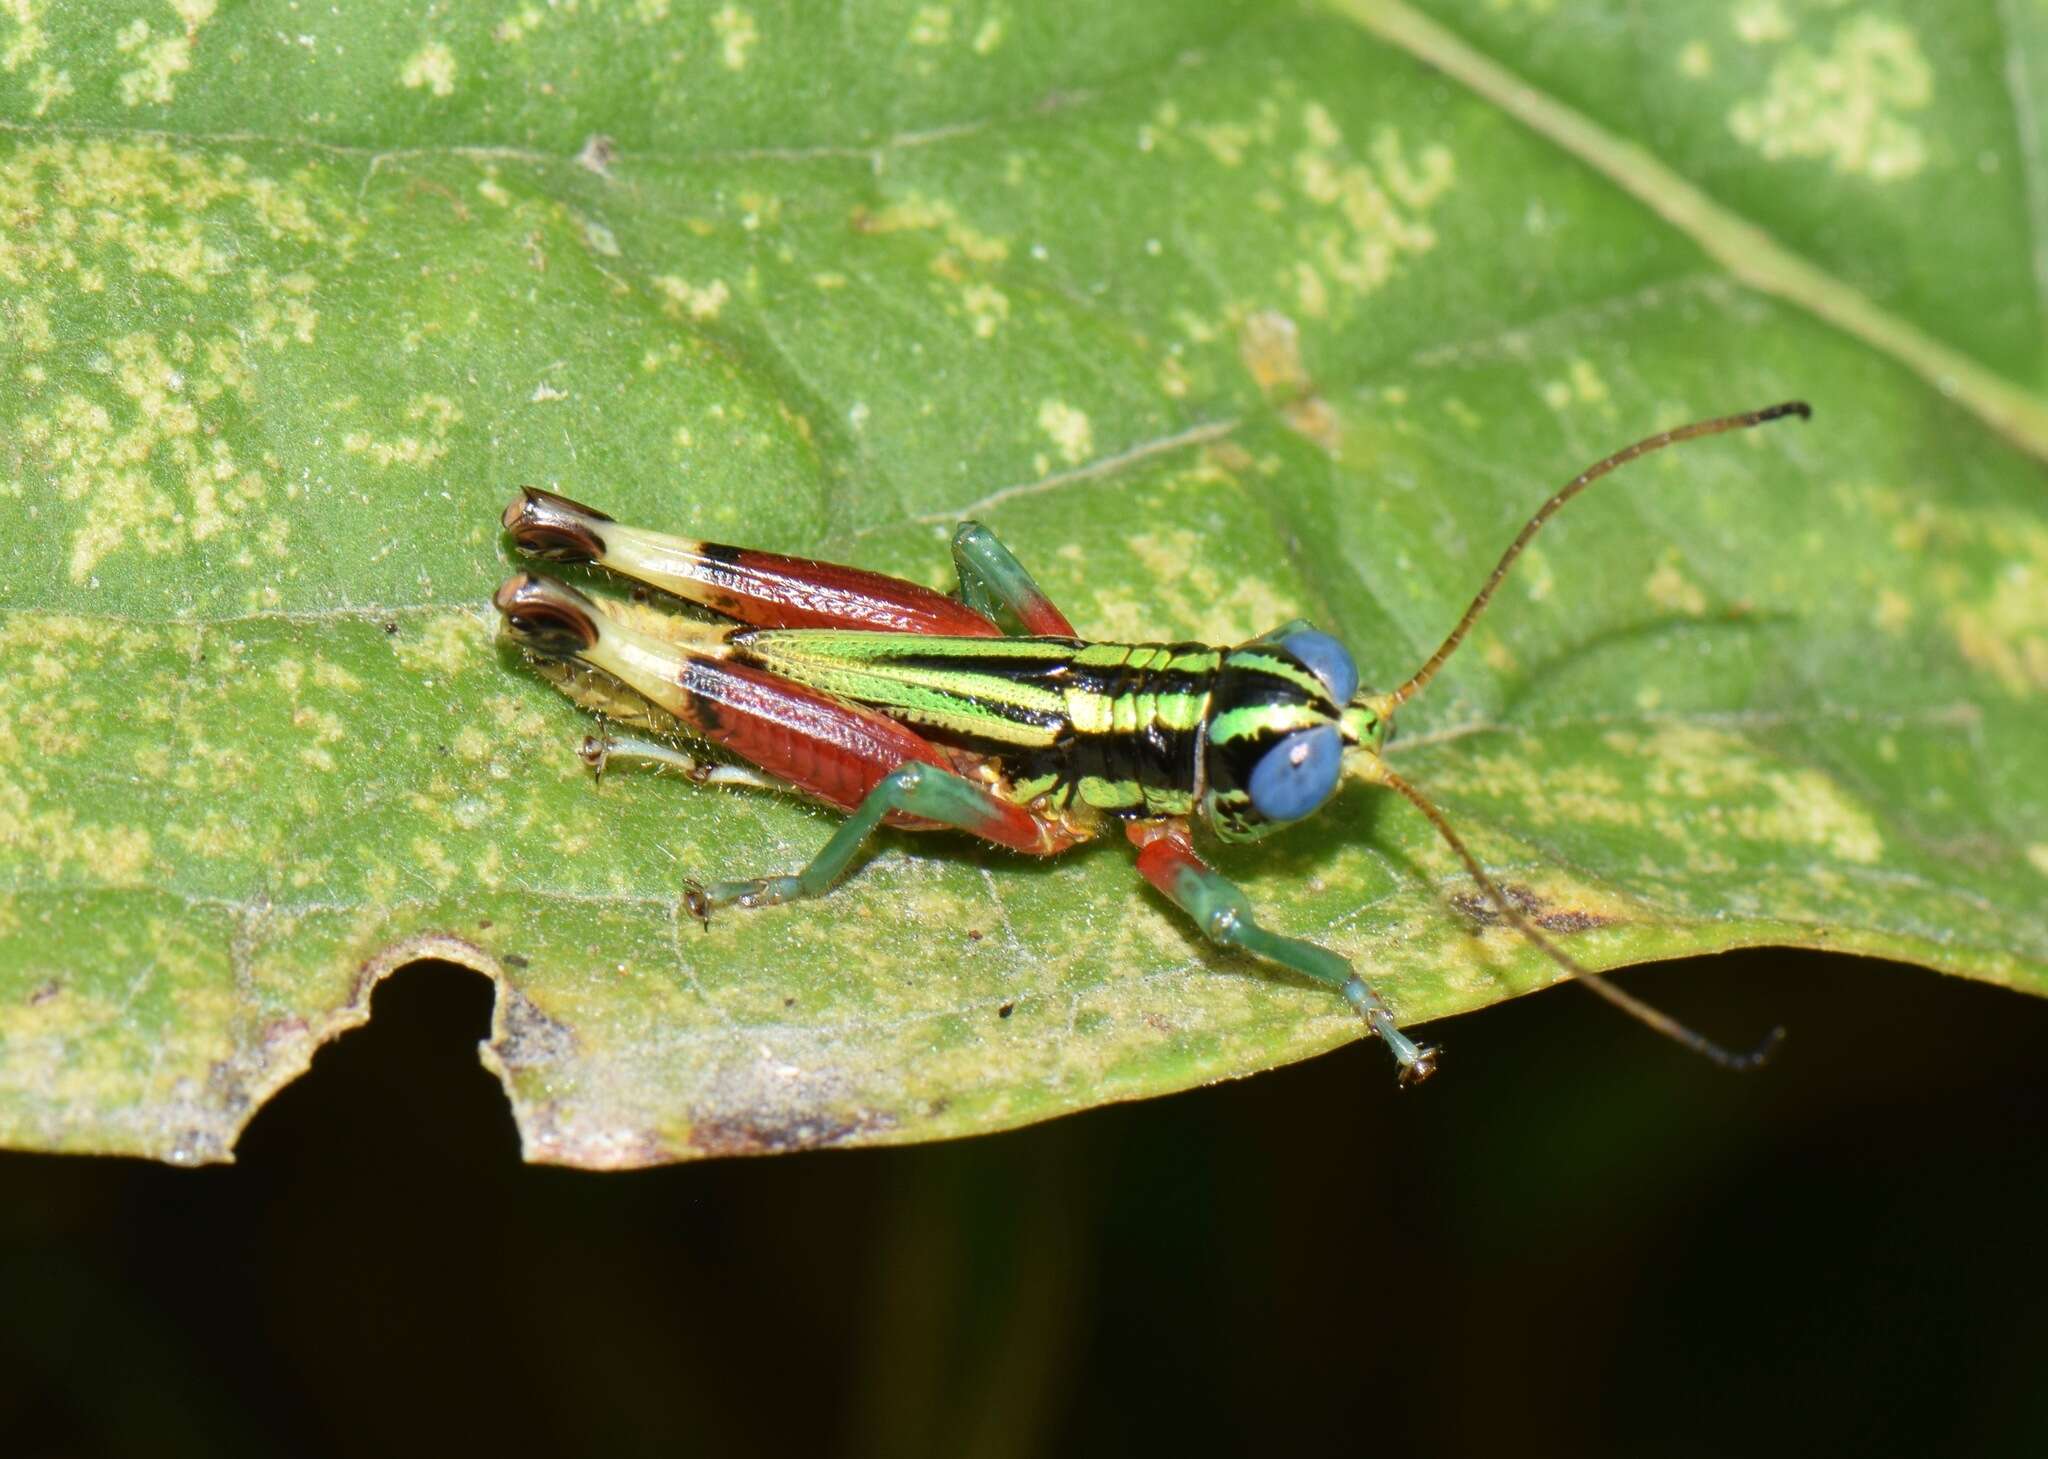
407 1087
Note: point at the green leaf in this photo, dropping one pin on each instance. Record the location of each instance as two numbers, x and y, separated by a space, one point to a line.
1217 313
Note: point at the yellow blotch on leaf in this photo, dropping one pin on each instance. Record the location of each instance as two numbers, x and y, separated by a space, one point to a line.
514 29
437 412
987 306
1810 809
113 855
1371 214
1893 612
2007 633
1269 344
1729 791
29 323
737 35
1070 429
161 60
50 87
1674 592
919 212
431 858
432 66
216 836
446 643
1758 22
29 36
681 298
1844 106
330 675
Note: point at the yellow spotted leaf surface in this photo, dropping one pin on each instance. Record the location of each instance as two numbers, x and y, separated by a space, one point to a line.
1218 313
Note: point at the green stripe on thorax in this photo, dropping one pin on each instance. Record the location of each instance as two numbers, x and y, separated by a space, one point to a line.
1024 692
1260 659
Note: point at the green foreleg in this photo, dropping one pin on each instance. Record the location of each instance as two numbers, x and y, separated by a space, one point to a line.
1224 913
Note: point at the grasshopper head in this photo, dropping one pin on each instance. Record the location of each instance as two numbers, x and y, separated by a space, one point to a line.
1284 724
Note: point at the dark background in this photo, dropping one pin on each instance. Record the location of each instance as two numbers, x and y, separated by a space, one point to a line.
1578 1239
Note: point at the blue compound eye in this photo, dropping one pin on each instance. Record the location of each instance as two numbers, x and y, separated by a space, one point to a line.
1298 774
1327 659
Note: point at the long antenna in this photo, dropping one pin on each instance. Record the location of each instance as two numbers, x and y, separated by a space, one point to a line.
1656 1018
1565 493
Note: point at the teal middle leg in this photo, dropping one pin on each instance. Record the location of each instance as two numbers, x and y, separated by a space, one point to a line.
993 582
924 792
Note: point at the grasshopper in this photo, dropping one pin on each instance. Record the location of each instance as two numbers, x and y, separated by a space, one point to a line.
986 712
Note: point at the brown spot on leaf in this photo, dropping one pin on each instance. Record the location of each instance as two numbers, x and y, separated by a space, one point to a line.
1480 909
743 1133
1571 921
598 154
526 1036
281 1030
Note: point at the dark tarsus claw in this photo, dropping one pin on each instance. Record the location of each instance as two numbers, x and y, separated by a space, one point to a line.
1423 1067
